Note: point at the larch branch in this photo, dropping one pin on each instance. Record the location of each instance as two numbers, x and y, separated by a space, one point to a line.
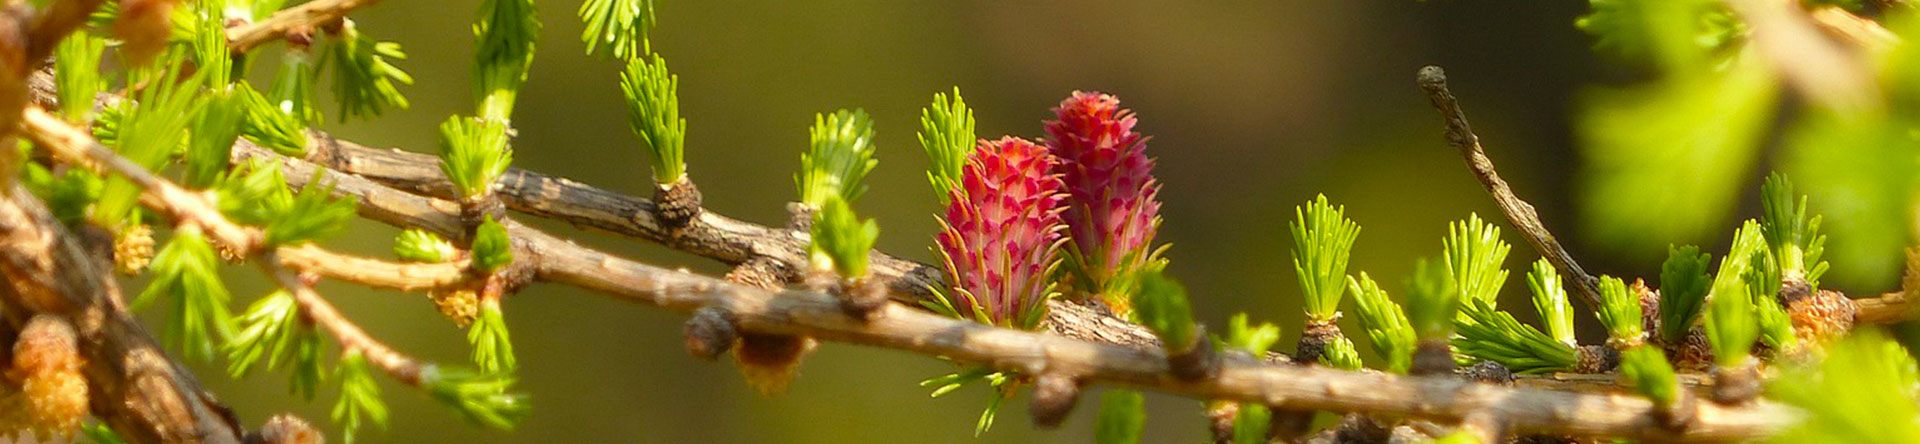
303 18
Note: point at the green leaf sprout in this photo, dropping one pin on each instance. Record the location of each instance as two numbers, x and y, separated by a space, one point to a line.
1474 257
1731 326
491 247
1123 416
492 346
841 241
272 329
483 398
359 395
76 74
1683 291
419 245
1647 370
946 133
1386 324
473 153
186 271
620 25
1550 300
1160 304
1322 242
1432 300
365 81
841 156
1487 333
506 32
653 113
313 214
211 141
1795 239
1620 311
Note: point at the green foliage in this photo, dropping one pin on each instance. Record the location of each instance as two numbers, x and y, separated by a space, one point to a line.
364 80
1861 393
271 126
492 346
1486 333
1794 240
99 433
946 133
311 215
292 91
1861 169
473 153
1666 161
186 271
1647 370
506 31
841 241
1340 354
1255 340
492 248
210 143
1474 257
653 113
1683 290
621 25
254 193
208 37
1393 337
359 395
1000 382
273 329
1666 34
1763 286
1457 437
67 195
76 74
419 245
1160 304
1322 242
1731 326
149 131
483 398
1550 300
841 156
1620 311
1432 300
1250 426
1123 416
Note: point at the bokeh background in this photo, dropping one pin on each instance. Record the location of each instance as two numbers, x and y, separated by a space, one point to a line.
1253 108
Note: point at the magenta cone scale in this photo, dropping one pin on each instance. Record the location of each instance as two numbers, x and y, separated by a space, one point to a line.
1112 211
1001 233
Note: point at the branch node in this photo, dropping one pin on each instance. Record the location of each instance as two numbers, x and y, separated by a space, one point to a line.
1593 359
1054 395
1488 372
1432 357
677 203
1199 362
711 332
1737 385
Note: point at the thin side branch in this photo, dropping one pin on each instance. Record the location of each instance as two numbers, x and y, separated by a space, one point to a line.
373 272
351 337
1460 134
299 19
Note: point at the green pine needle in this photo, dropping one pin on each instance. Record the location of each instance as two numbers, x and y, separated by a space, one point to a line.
620 25
1486 333
1620 311
1123 417
653 113
312 215
1322 242
1776 326
1861 393
359 396
272 329
211 141
473 153
946 133
271 126
1794 240
1250 426
1161 305
99 433
841 241
1255 340
254 193
1647 370
505 33
186 271
292 91
1683 291
1340 354
76 74
365 81
208 30
492 346
149 133
482 398
841 156
66 195
1393 337
1432 300
492 248
1474 257
419 245
1550 300
1730 323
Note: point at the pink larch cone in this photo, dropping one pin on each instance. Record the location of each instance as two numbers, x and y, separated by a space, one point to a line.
1112 212
1001 234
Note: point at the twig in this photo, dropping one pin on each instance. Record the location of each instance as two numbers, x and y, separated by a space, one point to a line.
373 272
1817 67
351 337
303 18
1860 31
1460 134
819 315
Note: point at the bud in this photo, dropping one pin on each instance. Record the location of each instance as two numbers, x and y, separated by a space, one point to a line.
46 362
710 333
770 362
1822 316
677 203
288 429
133 249
462 305
1054 396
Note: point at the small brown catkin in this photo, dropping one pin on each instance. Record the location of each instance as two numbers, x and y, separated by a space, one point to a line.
133 249
288 429
770 362
46 362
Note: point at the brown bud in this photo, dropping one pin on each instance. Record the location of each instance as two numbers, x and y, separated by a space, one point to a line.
1736 385
1432 357
1681 414
770 361
1649 306
1220 418
1054 396
1822 316
710 332
1488 372
760 272
1361 428
133 249
864 298
288 429
46 361
1197 363
1288 425
143 28
1591 359
1694 354
676 204
1314 339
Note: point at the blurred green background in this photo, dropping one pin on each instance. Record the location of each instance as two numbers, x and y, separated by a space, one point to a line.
1253 107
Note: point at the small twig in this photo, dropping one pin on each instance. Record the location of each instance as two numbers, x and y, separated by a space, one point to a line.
1862 32
1460 134
374 272
1817 67
304 18
351 337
